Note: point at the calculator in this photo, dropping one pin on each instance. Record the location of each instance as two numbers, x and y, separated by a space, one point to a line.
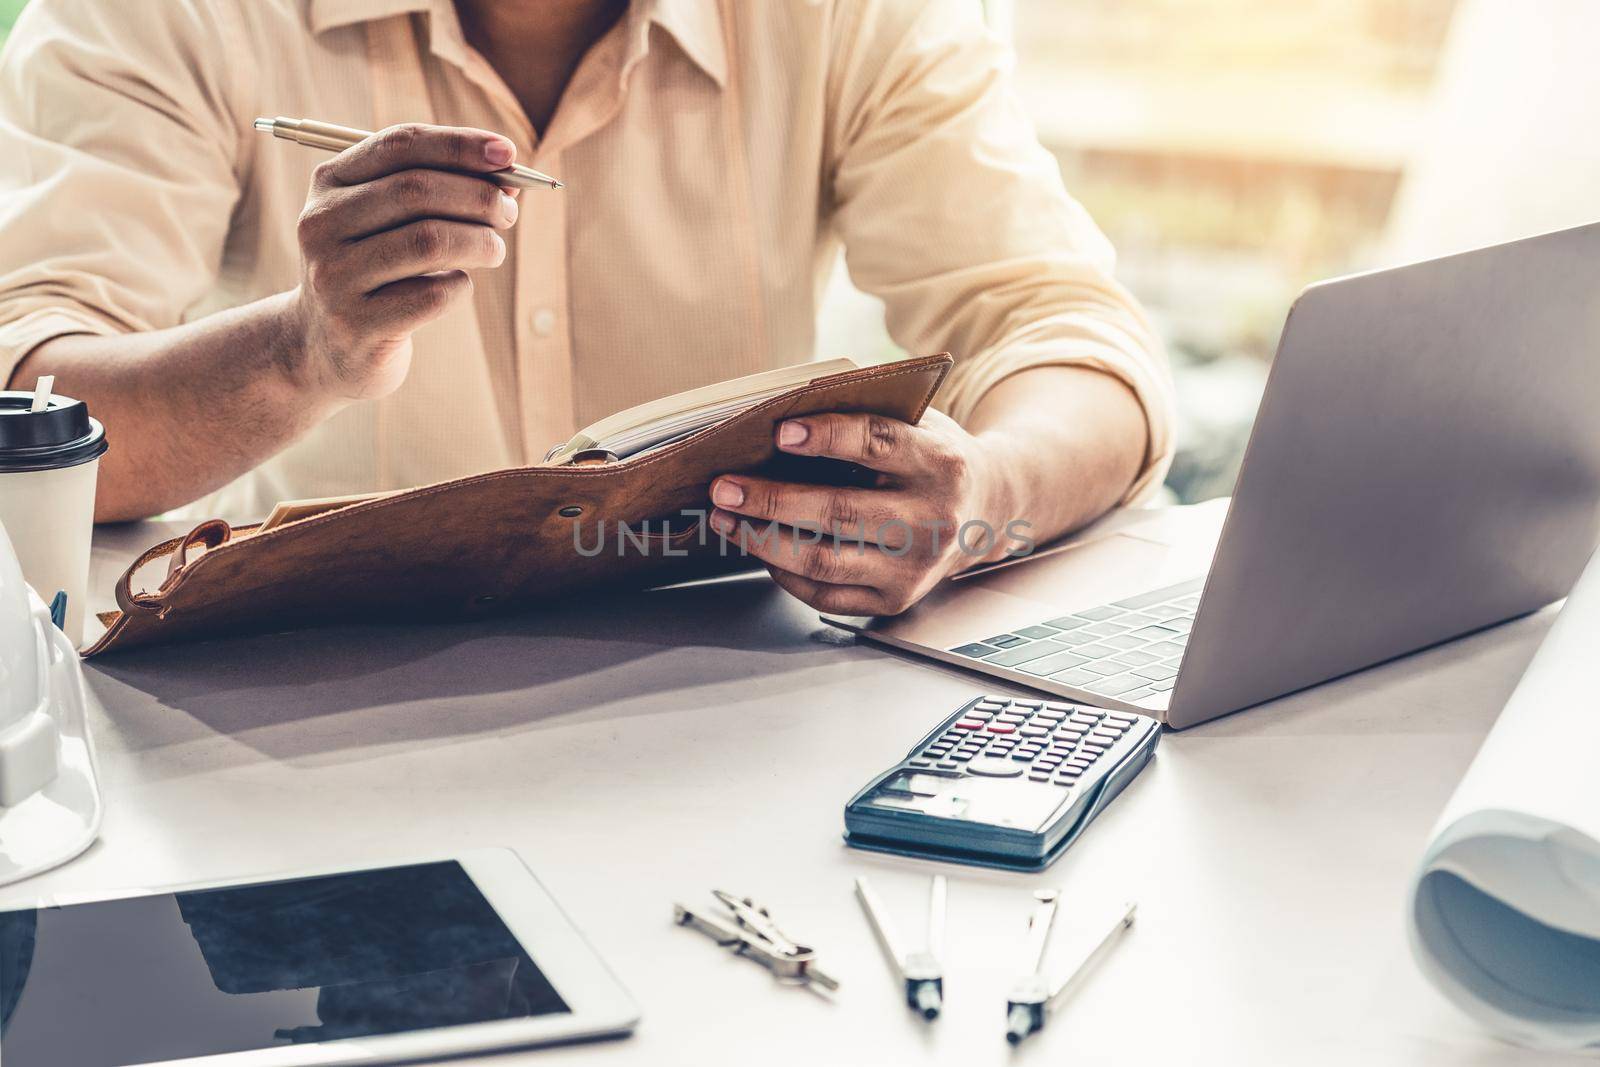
1002 783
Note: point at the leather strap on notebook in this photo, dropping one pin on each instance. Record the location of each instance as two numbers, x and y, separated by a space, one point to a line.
211 533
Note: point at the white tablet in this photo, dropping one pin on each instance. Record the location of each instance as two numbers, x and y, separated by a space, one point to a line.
433 958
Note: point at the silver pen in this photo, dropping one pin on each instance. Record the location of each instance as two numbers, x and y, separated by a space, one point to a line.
331 138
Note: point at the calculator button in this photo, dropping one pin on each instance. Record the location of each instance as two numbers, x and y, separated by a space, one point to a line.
1121 717
1104 737
994 767
1001 728
990 705
1083 718
1023 755
949 765
1092 750
1049 715
920 762
1038 777
963 754
1034 731
1031 705
981 714
1013 718
969 724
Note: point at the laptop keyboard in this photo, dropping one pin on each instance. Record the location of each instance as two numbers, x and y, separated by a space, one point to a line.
1129 649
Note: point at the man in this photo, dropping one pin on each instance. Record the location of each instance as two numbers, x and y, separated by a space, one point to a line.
254 320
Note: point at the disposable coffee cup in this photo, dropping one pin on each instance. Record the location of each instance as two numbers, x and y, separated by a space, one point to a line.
48 463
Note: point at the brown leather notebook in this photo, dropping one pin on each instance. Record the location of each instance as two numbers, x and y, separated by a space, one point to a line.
491 541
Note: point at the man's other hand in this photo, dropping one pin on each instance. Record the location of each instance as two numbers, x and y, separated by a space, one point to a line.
389 231
938 507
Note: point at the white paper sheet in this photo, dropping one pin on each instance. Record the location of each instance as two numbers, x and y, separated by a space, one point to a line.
1505 907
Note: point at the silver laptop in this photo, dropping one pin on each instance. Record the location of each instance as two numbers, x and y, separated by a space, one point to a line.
1425 462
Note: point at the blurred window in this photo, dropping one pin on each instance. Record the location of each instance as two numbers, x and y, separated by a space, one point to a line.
1233 151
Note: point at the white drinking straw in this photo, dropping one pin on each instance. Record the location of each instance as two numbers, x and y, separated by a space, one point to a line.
41 392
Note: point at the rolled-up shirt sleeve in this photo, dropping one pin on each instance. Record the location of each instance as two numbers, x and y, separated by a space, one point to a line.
117 174
954 214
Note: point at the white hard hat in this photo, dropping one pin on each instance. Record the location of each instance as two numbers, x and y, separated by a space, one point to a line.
49 791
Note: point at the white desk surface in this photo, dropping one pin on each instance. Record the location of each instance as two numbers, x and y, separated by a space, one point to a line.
641 749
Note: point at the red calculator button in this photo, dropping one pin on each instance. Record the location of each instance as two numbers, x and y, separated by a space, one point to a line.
967 724
1002 728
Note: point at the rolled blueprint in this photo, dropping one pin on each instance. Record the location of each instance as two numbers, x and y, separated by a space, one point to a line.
1505 908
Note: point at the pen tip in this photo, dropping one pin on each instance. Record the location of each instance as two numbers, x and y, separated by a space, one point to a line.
263 124
558 184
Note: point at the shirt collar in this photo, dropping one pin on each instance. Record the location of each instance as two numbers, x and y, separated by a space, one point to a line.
695 24
697 27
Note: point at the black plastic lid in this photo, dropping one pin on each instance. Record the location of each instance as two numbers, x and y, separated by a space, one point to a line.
62 435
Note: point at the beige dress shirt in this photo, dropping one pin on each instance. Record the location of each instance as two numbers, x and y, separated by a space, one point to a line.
717 153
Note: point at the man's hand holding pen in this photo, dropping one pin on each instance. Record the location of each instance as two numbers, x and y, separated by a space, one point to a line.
390 229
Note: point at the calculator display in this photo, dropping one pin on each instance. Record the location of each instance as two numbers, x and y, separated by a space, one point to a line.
996 801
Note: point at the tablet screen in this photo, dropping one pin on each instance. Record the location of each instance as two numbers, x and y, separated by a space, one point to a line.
198 973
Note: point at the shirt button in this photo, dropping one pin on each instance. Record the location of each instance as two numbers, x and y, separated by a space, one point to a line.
544 322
